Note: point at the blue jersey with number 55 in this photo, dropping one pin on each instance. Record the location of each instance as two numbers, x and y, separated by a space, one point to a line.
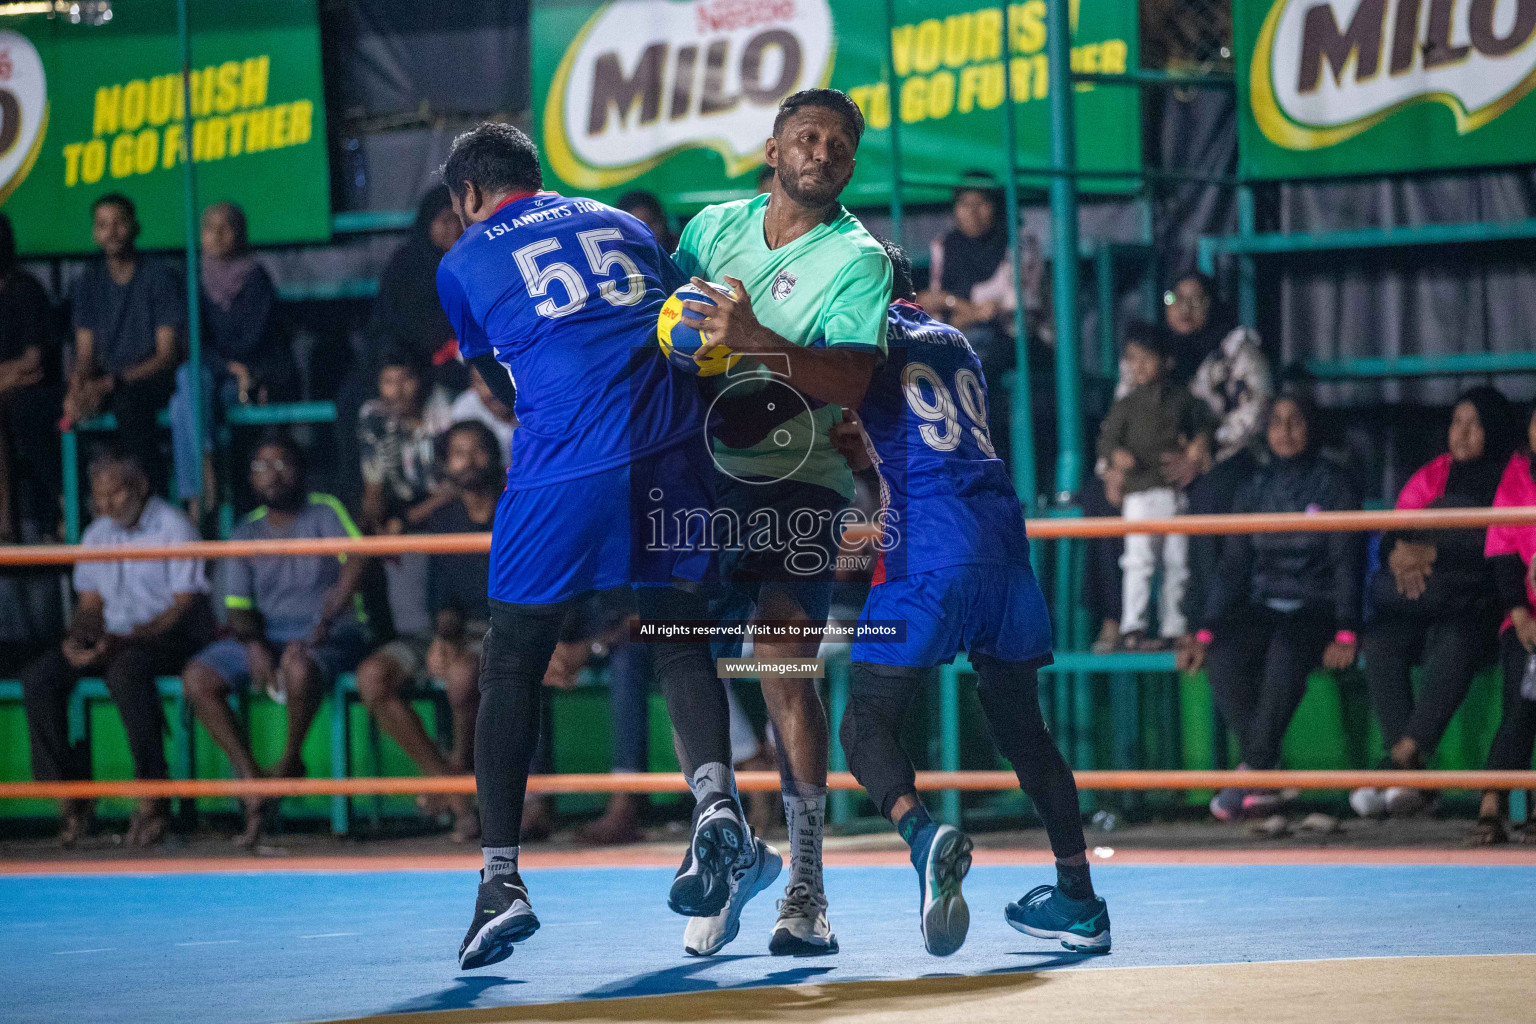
565 293
946 495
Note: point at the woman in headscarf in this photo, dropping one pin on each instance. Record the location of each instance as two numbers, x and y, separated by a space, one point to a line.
1281 603
1434 598
245 353
971 287
1511 551
28 408
407 311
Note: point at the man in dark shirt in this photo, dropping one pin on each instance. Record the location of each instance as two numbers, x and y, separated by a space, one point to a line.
472 475
128 314
29 454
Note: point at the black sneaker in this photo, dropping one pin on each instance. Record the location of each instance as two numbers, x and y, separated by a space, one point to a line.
503 916
702 885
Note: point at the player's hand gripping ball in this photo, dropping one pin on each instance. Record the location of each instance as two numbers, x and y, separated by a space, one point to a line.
680 343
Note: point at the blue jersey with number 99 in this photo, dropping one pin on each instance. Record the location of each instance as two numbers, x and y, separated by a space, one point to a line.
565 293
946 495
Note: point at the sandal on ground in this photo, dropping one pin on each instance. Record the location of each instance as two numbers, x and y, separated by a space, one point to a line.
1487 832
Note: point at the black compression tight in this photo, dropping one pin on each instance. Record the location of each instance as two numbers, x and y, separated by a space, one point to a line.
871 737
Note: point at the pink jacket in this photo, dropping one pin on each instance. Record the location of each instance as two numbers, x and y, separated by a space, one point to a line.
1516 490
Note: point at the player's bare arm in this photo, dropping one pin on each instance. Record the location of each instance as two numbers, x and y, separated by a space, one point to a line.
827 375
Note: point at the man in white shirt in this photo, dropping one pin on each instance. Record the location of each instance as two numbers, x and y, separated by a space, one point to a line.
134 620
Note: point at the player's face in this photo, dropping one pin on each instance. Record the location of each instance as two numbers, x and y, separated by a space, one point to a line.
1187 306
1142 365
974 214
400 390
812 156
1467 438
468 463
119 495
1287 429
219 234
274 477
112 229
446 228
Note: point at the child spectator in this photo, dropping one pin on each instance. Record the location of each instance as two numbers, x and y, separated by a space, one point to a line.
1279 602
473 478
245 355
1434 598
1511 551
293 620
29 448
1156 421
133 621
128 316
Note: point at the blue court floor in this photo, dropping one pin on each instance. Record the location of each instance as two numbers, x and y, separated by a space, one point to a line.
271 947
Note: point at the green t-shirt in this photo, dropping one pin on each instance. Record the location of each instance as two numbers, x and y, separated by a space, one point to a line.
831 286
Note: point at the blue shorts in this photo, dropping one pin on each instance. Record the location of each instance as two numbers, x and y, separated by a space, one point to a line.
803 562
992 609
341 651
627 526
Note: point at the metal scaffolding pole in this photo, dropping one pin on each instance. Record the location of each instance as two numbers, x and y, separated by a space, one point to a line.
1069 425
1021 424
189 208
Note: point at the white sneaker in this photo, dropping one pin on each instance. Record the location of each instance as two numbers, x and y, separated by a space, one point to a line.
706 936
802 928
1368 802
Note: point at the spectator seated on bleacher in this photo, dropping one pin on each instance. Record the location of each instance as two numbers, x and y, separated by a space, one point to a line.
478 402
293 622
646 208
128 314
29 358
133 621
1511 551
1279 603
407 311
245 355
472 477
1433 598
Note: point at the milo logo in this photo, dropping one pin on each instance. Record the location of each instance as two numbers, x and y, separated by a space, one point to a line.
23 110
645 79
1324 71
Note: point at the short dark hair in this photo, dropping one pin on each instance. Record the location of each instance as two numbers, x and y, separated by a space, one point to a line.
292 450
494 158
1145 336
118 200
483 434
835 100
901 270
408 357
640 199
113 455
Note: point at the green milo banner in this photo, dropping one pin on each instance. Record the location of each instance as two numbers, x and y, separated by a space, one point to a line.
678 96
1331 87
88 110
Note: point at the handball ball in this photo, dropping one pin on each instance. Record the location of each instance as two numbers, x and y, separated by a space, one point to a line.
680 343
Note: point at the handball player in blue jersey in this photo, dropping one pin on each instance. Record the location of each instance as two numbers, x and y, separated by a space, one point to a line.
955 568
555 301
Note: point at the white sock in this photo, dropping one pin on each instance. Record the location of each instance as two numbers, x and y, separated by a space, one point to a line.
500 860
805 811
713 779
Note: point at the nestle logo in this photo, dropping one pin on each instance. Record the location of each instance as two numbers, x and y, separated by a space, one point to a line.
724 15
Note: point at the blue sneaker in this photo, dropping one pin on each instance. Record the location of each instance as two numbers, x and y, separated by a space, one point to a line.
946 918
703 883
1082 926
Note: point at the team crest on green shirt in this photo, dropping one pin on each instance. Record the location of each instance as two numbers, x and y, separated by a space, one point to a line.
783 285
